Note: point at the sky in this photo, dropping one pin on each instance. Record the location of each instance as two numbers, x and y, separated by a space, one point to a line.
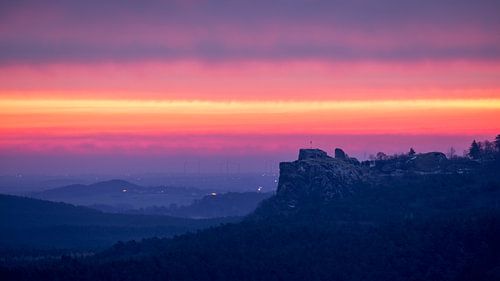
124 86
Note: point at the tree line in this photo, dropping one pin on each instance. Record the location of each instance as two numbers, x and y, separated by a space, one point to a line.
485 150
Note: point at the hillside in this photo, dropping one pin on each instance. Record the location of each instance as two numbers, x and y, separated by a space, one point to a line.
215 205
26 222
331 219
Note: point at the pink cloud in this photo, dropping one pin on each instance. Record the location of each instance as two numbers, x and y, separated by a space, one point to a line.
254 80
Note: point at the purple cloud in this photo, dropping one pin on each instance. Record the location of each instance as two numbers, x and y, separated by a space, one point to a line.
93 31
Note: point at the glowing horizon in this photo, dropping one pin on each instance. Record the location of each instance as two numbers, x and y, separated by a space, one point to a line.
250 80
190 115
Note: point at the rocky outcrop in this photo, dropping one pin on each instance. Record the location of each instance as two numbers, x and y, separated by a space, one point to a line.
431 162
312 154
340 154
428 162
317 176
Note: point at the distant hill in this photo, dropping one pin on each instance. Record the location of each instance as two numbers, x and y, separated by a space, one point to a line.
81 190
26 222
121 193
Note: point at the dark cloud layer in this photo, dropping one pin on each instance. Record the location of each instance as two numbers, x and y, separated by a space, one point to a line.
118 30
56 53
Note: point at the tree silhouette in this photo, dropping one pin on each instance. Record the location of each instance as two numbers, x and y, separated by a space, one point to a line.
412 152
487 147
474 150
381 156
451 153
497 143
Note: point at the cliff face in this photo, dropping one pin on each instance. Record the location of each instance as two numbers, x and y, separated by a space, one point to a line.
317 176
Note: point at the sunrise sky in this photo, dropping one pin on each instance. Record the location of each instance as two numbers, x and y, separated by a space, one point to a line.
133 86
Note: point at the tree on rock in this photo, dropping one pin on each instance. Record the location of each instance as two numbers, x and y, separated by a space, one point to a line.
474 150
497 143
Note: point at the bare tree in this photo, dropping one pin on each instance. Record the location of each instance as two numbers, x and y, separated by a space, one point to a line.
452 153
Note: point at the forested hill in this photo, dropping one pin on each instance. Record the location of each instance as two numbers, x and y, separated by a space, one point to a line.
215 205
33 223
331 219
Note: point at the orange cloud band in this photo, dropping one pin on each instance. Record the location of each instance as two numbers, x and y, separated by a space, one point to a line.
421 116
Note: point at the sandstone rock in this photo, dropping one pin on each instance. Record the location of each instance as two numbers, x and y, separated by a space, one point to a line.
312 154
317 177
429 162
353 161
340 154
